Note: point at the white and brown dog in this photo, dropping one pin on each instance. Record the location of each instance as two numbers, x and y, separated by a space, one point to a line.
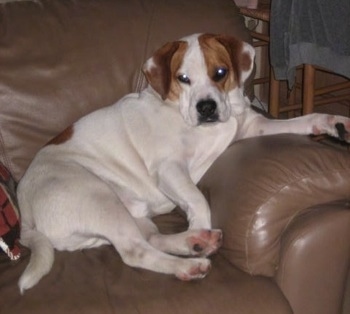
103 178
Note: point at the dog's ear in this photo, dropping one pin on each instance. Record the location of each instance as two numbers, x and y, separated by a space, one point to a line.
241 54
161 67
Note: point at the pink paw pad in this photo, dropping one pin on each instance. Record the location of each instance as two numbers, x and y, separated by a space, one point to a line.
195 272
206 242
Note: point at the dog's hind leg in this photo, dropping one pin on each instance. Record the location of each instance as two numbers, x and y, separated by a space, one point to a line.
139 253
196 242
113 221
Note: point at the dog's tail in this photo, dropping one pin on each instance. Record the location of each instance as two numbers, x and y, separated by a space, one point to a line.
41 258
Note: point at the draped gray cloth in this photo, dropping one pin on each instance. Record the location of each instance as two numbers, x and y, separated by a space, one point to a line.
309 31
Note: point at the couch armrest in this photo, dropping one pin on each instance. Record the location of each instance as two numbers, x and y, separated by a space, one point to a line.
314 259
259 186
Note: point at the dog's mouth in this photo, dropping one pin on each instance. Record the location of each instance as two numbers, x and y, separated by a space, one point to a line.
212 119
207 111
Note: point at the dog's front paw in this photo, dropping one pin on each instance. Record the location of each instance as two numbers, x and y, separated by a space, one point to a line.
205 242
193 268
336 126
343 132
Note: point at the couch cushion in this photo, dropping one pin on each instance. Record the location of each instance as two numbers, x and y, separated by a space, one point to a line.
60 59
97 281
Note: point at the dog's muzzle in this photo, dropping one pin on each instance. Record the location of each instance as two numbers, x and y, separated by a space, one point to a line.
207 111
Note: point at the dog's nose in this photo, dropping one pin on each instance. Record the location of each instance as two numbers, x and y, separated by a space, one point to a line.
207 110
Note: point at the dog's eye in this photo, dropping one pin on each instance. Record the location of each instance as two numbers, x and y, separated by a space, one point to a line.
219 74
183 78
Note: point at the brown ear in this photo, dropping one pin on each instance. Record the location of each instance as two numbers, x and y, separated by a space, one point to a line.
160 67
241 54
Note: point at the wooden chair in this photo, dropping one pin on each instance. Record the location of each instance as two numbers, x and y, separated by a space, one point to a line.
310 95
262 39
324 94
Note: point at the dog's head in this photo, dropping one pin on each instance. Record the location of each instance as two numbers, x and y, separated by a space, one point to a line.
204 74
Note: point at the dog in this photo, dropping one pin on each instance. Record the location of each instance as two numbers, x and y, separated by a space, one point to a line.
104 178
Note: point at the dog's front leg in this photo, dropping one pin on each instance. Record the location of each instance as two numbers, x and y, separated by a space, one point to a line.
255 124
175 182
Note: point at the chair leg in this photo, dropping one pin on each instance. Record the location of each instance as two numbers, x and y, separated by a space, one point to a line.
308 88
274 95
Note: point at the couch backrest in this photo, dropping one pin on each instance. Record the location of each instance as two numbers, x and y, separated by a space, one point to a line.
60 59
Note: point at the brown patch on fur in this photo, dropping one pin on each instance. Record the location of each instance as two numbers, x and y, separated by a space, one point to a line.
215 56
176 62
225 51
167 60
62 137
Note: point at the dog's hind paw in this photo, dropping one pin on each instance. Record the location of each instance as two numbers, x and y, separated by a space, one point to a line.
196 268
205 242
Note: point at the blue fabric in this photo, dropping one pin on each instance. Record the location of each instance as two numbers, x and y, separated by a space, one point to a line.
313 32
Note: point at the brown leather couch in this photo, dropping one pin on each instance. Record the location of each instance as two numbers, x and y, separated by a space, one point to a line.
282 201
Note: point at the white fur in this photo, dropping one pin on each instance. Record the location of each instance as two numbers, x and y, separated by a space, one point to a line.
136 159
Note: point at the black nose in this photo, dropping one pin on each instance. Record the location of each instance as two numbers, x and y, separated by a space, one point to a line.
207 110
